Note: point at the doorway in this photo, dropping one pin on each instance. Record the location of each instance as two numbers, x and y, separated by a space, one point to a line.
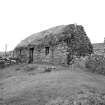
31 51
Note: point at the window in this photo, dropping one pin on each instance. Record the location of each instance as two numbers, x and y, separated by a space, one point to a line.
46 50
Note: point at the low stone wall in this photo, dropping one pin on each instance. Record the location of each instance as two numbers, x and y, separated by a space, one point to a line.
22 55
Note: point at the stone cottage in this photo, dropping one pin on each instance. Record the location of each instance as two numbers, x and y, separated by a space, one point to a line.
55 45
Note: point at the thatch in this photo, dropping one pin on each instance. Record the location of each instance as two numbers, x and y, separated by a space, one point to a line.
36 38
59 33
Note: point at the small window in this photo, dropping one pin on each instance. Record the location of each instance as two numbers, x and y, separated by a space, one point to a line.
46 50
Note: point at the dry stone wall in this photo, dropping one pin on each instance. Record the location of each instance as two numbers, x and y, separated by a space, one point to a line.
73 35
59 55
22 55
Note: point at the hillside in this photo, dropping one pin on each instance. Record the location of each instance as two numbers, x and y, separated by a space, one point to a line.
20 86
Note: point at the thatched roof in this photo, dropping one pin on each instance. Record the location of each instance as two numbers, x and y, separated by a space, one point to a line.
44 36
35 38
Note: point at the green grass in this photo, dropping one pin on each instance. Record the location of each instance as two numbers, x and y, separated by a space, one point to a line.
20 87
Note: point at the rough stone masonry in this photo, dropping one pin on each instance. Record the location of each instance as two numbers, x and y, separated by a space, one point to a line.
56 45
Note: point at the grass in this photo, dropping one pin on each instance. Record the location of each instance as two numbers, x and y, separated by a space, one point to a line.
20 87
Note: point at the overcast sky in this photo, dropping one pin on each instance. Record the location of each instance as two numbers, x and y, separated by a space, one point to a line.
21 18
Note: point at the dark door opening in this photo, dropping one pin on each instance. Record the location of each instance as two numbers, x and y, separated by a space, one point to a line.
31 51
47 50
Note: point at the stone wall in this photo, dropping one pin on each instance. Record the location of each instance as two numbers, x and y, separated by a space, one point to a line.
39 56
60 54
58 58
22 55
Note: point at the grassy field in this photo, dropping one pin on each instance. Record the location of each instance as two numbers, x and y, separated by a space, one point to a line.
31 85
